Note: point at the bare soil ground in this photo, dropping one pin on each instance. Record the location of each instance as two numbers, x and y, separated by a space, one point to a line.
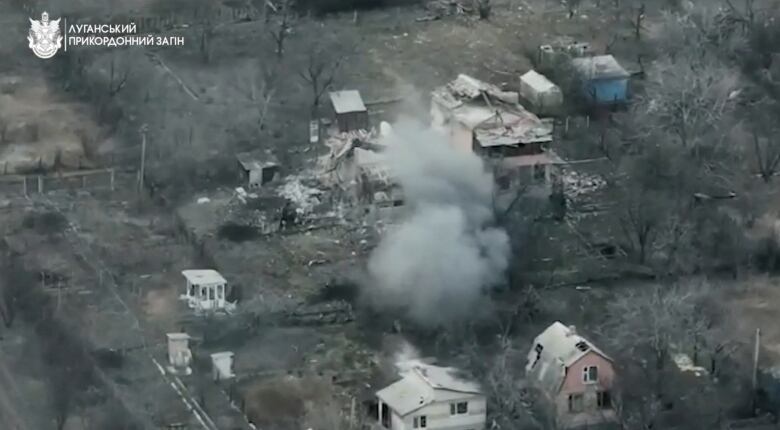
40 128
390 54
107 293
753 303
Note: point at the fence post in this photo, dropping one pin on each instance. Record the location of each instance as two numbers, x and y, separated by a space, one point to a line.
112 179
40 184
24 185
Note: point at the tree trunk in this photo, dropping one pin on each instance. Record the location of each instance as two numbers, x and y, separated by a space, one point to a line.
642 240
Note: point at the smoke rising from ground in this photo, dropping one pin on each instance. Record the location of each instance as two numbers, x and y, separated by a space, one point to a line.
437 264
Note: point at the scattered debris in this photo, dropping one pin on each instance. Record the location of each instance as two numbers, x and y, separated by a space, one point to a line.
576 184
442 8
685 364
303 197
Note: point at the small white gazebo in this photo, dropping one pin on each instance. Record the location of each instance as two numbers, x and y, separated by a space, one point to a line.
206 290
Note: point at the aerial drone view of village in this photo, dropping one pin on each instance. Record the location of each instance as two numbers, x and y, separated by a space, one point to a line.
389 214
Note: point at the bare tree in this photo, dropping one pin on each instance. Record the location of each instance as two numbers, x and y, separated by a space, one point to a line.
638 19
767 152
262 81
116 78
736 17
656 322
484 8
640 213
572 6
206 10
329 416
206 36
17 288
320 72
282 25
3 130
69 367
511 403
691 95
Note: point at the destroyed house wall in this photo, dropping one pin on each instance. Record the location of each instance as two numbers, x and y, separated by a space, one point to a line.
517 177
352 121
368 187
501 151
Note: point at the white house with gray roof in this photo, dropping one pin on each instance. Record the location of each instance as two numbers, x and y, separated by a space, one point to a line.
431 397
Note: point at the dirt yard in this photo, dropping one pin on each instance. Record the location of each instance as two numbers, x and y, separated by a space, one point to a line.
40 127
199 114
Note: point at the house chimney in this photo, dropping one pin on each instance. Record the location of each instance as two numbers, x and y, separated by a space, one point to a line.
572 330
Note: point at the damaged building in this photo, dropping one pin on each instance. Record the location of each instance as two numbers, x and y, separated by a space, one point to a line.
357 163
574 376
258 168
480 117
433 397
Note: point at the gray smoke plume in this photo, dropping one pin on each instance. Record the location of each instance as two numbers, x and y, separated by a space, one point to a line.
438 263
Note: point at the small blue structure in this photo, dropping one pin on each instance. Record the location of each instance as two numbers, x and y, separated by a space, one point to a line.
605 81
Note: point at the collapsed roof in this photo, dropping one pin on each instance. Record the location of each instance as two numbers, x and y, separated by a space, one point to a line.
496 116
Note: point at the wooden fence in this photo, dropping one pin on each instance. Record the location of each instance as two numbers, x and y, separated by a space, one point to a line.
37 184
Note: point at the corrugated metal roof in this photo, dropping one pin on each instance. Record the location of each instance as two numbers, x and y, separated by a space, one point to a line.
512 127
347 101
561 347
484 108
600 67
545 158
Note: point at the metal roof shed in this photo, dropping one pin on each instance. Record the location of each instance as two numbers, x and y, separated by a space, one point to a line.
605 81
544 96
258 169
351 113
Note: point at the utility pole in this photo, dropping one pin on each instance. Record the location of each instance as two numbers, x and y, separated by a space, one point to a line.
755 366
142 170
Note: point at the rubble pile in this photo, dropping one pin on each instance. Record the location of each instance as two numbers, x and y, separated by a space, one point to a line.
577 184
339 312
305 198
442 8
341 144
260 212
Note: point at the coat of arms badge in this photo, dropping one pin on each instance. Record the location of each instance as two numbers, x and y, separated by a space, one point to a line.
45 39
